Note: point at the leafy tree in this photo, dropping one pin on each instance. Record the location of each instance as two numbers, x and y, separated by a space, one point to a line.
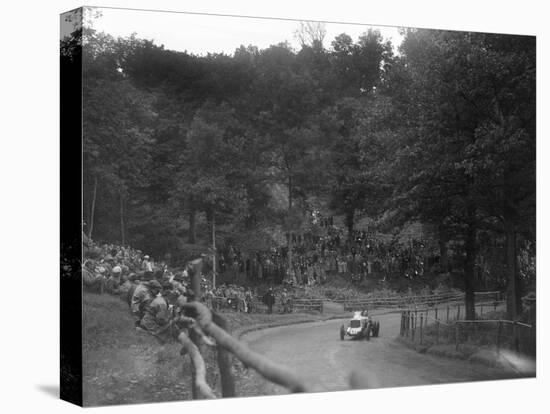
355 123
452 82
117 129
442 133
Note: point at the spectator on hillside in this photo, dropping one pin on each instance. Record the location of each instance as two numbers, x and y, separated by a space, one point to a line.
143 294
269 300
92 278
285 301
248 298
126 285
113 282
147 266
155 313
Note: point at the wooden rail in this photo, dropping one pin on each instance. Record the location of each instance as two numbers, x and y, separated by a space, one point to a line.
407 301
308 304
415 323
207 324
271 371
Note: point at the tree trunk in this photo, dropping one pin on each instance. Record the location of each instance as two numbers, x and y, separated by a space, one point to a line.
92 210
290 223
122 238
513 296
469 270
350 215
192 226
443 253
209 215
213 251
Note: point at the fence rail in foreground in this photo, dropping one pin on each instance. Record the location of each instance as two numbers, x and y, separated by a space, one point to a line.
202 323
269 370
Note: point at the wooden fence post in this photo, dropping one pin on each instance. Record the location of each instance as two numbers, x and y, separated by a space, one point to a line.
435 313
458 313
516 336
195 269
412 327
225 363
448 313
421 323
437 331
481 310
499 329
456 335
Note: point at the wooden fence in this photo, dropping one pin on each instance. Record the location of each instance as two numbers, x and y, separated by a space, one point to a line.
447 327
401 302
199 324
307 305
256 305
486 301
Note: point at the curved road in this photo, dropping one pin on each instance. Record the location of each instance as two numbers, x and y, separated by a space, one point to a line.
315 351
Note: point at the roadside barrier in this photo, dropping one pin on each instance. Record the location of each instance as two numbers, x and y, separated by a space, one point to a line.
255 305
486 301
419 326
401 302
307 305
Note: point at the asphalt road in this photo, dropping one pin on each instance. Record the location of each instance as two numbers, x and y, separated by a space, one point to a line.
315 351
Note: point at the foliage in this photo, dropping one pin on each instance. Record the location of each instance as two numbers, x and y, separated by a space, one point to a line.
442 133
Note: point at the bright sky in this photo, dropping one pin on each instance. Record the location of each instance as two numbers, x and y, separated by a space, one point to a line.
201 34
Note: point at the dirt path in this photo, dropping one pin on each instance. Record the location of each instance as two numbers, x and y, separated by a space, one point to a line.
315 351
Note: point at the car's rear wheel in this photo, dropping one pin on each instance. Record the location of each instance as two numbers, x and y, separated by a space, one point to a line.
376 329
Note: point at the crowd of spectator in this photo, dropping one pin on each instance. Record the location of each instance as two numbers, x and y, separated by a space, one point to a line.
316 257
141 281
154 292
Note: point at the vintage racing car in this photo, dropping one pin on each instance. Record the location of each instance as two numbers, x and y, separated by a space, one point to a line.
361 325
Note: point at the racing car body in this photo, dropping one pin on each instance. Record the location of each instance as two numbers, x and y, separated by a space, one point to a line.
360 326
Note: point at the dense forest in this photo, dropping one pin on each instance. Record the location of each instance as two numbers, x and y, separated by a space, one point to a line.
440 130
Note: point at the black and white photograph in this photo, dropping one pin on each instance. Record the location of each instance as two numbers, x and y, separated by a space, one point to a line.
274 206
